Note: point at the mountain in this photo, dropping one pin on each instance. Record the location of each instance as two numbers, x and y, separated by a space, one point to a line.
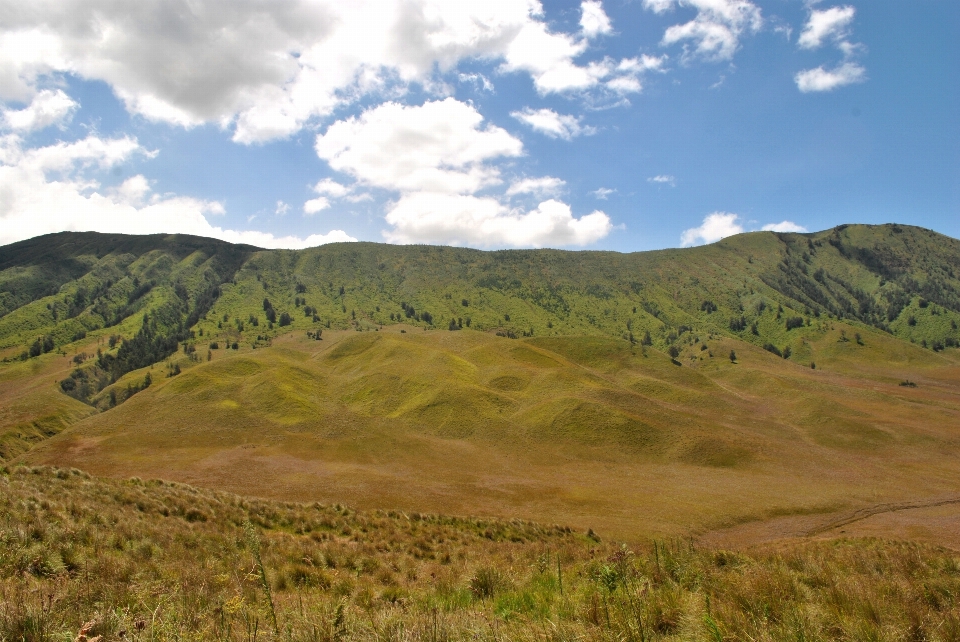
659 392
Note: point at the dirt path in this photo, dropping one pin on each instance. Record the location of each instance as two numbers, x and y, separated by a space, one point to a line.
935 520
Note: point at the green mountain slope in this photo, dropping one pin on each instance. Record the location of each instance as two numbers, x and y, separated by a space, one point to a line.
900 279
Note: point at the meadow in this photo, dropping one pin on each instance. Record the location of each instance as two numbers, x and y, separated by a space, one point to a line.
153 560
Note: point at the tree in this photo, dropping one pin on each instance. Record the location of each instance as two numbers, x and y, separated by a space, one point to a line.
733 356
285 319
674 352
646 340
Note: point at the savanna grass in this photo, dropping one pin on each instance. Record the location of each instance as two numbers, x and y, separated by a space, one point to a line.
153 560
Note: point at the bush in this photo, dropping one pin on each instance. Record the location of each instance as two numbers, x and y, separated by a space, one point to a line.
214 345
733 356
769 347
487 582
738 325
674 352
794 322
285 319
708 306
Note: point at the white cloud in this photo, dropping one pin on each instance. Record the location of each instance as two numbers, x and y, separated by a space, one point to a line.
716 29
282 208
47 108
714 227
315 205
470 220
820 79
659 6
830 24
543 186
266 68
549 59
477 80
552 124
46 189
439 147
332 188
663 179
783 226
593 19
602 193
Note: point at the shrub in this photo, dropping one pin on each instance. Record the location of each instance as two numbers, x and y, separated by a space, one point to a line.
733 356
674 352
738 325
285 319
708 306
769 347
794 322
487 582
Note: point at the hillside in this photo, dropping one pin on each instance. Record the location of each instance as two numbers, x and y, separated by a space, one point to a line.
588 388
153 560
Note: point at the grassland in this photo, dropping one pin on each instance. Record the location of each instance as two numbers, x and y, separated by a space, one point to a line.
792 398
152 560
588 431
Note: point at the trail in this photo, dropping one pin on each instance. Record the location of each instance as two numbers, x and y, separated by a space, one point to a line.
877 509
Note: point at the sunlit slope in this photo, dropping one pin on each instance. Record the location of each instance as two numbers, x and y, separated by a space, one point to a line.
901 279
591 431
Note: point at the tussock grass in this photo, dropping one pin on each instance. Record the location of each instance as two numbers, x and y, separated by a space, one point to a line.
153 560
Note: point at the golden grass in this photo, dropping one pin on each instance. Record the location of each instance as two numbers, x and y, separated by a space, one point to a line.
587 431
153 560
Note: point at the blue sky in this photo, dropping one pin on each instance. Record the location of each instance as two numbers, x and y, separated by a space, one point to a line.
624 124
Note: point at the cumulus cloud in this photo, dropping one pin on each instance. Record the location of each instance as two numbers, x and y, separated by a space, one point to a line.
783 226
266 68
552 124
593 19
315 205
437 156
457 219
663 179
47 108
821 79
829 24
715 226
440 146
543 186
715 31
48 189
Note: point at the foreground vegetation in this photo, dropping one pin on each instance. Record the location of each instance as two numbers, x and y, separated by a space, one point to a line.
152 560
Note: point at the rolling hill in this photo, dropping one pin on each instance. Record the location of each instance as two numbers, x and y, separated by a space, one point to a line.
668 392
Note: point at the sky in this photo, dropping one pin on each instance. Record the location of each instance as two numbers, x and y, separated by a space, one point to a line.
621 125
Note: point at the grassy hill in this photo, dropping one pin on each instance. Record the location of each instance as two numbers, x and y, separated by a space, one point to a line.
153 560
589 388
